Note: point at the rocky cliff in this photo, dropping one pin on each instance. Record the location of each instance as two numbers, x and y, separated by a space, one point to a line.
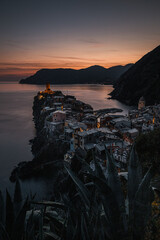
142 79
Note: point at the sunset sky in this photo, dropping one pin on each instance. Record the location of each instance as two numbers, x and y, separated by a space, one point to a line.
37 34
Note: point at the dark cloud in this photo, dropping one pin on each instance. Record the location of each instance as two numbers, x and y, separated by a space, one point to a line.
89 41
7 69
22 64
73 58
17 45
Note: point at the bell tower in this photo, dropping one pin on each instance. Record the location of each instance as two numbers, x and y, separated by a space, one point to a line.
48 90
48 87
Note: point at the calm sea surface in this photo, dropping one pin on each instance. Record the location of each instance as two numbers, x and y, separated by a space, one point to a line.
17 128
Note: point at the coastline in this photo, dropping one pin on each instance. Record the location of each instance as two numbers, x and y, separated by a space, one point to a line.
39 166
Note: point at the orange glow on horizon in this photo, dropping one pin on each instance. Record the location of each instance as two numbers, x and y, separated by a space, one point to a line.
57 36
17 69
20 65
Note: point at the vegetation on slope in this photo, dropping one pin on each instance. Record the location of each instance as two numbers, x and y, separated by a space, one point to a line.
95 209
142 79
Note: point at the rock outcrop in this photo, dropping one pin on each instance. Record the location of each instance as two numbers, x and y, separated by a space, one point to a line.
142 79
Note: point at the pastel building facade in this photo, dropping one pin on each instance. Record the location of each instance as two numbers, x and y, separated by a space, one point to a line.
59 116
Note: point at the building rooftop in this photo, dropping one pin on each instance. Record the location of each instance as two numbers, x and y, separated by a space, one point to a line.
104 130
100 147
142 99
85 133
68 130
59 111
133 130
76 125
121 119
48 108
54 123
58 96
89 146
58 104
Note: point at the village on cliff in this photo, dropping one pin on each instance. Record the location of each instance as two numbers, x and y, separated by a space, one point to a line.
82 128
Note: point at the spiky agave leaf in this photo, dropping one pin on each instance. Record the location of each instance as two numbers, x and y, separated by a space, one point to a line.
19 223
9 214
17 200
142 205
3 233
83 191
51 204
2 209
134 179
98 170
56 222
30 226
98 173
97 229
52 236
41 222
86 165
114 181
17 192
76 231
71 223
94 222
115 184
84 228
134 175
106 231
110 205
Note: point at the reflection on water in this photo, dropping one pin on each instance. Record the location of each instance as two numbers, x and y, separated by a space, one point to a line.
17 128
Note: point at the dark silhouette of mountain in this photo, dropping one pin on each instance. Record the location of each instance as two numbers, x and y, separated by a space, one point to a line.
93 74
142 79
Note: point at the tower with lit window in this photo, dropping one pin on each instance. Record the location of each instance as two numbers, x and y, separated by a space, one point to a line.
48 90
48 87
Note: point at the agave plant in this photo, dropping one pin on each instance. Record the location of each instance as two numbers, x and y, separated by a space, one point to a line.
12 215
97 210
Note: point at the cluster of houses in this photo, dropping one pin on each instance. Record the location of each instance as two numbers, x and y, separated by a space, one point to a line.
90 131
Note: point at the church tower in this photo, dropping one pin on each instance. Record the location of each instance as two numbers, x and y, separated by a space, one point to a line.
48 87
48 90
141 103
